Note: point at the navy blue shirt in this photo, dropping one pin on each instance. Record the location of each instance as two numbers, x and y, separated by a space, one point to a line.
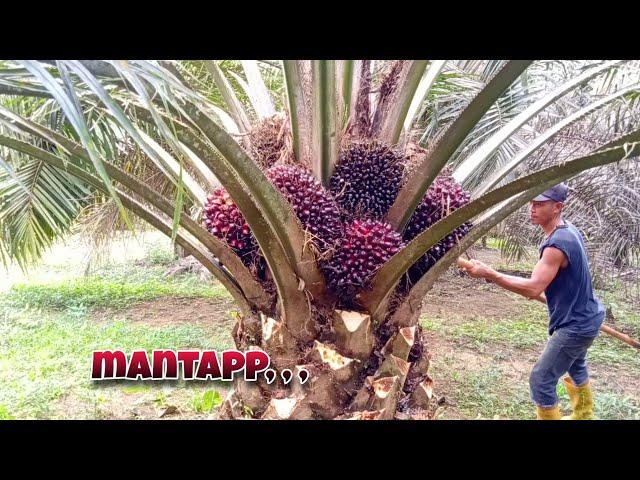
570 298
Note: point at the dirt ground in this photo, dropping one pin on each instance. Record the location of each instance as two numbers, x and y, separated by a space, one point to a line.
175 310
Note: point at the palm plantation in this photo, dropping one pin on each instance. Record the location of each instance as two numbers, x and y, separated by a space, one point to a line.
316 192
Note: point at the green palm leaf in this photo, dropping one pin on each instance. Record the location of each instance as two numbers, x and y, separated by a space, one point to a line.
38 205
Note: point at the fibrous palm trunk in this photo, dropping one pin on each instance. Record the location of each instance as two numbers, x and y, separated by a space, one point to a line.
358 368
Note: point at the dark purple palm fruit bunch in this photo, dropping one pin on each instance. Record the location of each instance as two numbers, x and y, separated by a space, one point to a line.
223 219
443 197
367 179
315 207
366 245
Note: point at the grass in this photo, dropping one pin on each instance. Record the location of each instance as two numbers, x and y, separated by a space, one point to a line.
608 405
46 340
158 255
611 406
493 243
116 288
627 316
488 395
525 331
207 401
519 333
97 292
46 355
4 415
525 266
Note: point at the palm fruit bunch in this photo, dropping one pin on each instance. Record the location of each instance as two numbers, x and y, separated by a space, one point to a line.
367 179
443 197
315 207
223 219
363 187
268 141
365 246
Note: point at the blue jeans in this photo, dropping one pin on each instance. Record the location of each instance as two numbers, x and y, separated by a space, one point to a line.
565 352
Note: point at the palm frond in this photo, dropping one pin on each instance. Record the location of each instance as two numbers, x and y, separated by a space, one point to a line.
68 101
256 90
489 146
442 149
38 205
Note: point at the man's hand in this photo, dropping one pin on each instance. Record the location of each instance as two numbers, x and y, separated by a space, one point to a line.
544 272
480 270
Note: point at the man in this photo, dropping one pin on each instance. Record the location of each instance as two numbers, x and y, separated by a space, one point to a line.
575 314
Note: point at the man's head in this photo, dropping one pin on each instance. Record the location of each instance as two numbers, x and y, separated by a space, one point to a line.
548 205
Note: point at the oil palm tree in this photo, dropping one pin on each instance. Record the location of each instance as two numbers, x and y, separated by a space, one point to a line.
304 187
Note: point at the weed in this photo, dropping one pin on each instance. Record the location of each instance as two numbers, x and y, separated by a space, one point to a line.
204 403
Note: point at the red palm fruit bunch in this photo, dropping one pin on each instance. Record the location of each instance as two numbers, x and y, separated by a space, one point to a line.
223 219
366 245
315 207
443 197
365 184
367 179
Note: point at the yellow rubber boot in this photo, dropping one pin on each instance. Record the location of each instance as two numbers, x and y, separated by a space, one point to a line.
552 413
581 400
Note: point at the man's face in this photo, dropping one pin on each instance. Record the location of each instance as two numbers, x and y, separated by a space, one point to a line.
543 212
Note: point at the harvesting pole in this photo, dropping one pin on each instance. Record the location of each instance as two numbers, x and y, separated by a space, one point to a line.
466 264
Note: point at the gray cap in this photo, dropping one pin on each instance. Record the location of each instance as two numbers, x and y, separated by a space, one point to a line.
557 193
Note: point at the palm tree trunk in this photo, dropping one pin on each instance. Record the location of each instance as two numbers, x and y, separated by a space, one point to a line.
356 369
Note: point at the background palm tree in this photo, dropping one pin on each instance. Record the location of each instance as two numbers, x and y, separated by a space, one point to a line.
335 216
603 200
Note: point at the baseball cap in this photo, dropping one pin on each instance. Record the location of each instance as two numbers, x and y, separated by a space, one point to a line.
558 193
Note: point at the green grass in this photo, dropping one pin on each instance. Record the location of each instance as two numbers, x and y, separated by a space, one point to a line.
518 334
46 339
525 331
607 405
4 414
627 316
160 256
611 406
45 355
489 394
525 266
207 401
607 350
111 289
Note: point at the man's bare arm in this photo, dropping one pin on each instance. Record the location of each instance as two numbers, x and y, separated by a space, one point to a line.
543 274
